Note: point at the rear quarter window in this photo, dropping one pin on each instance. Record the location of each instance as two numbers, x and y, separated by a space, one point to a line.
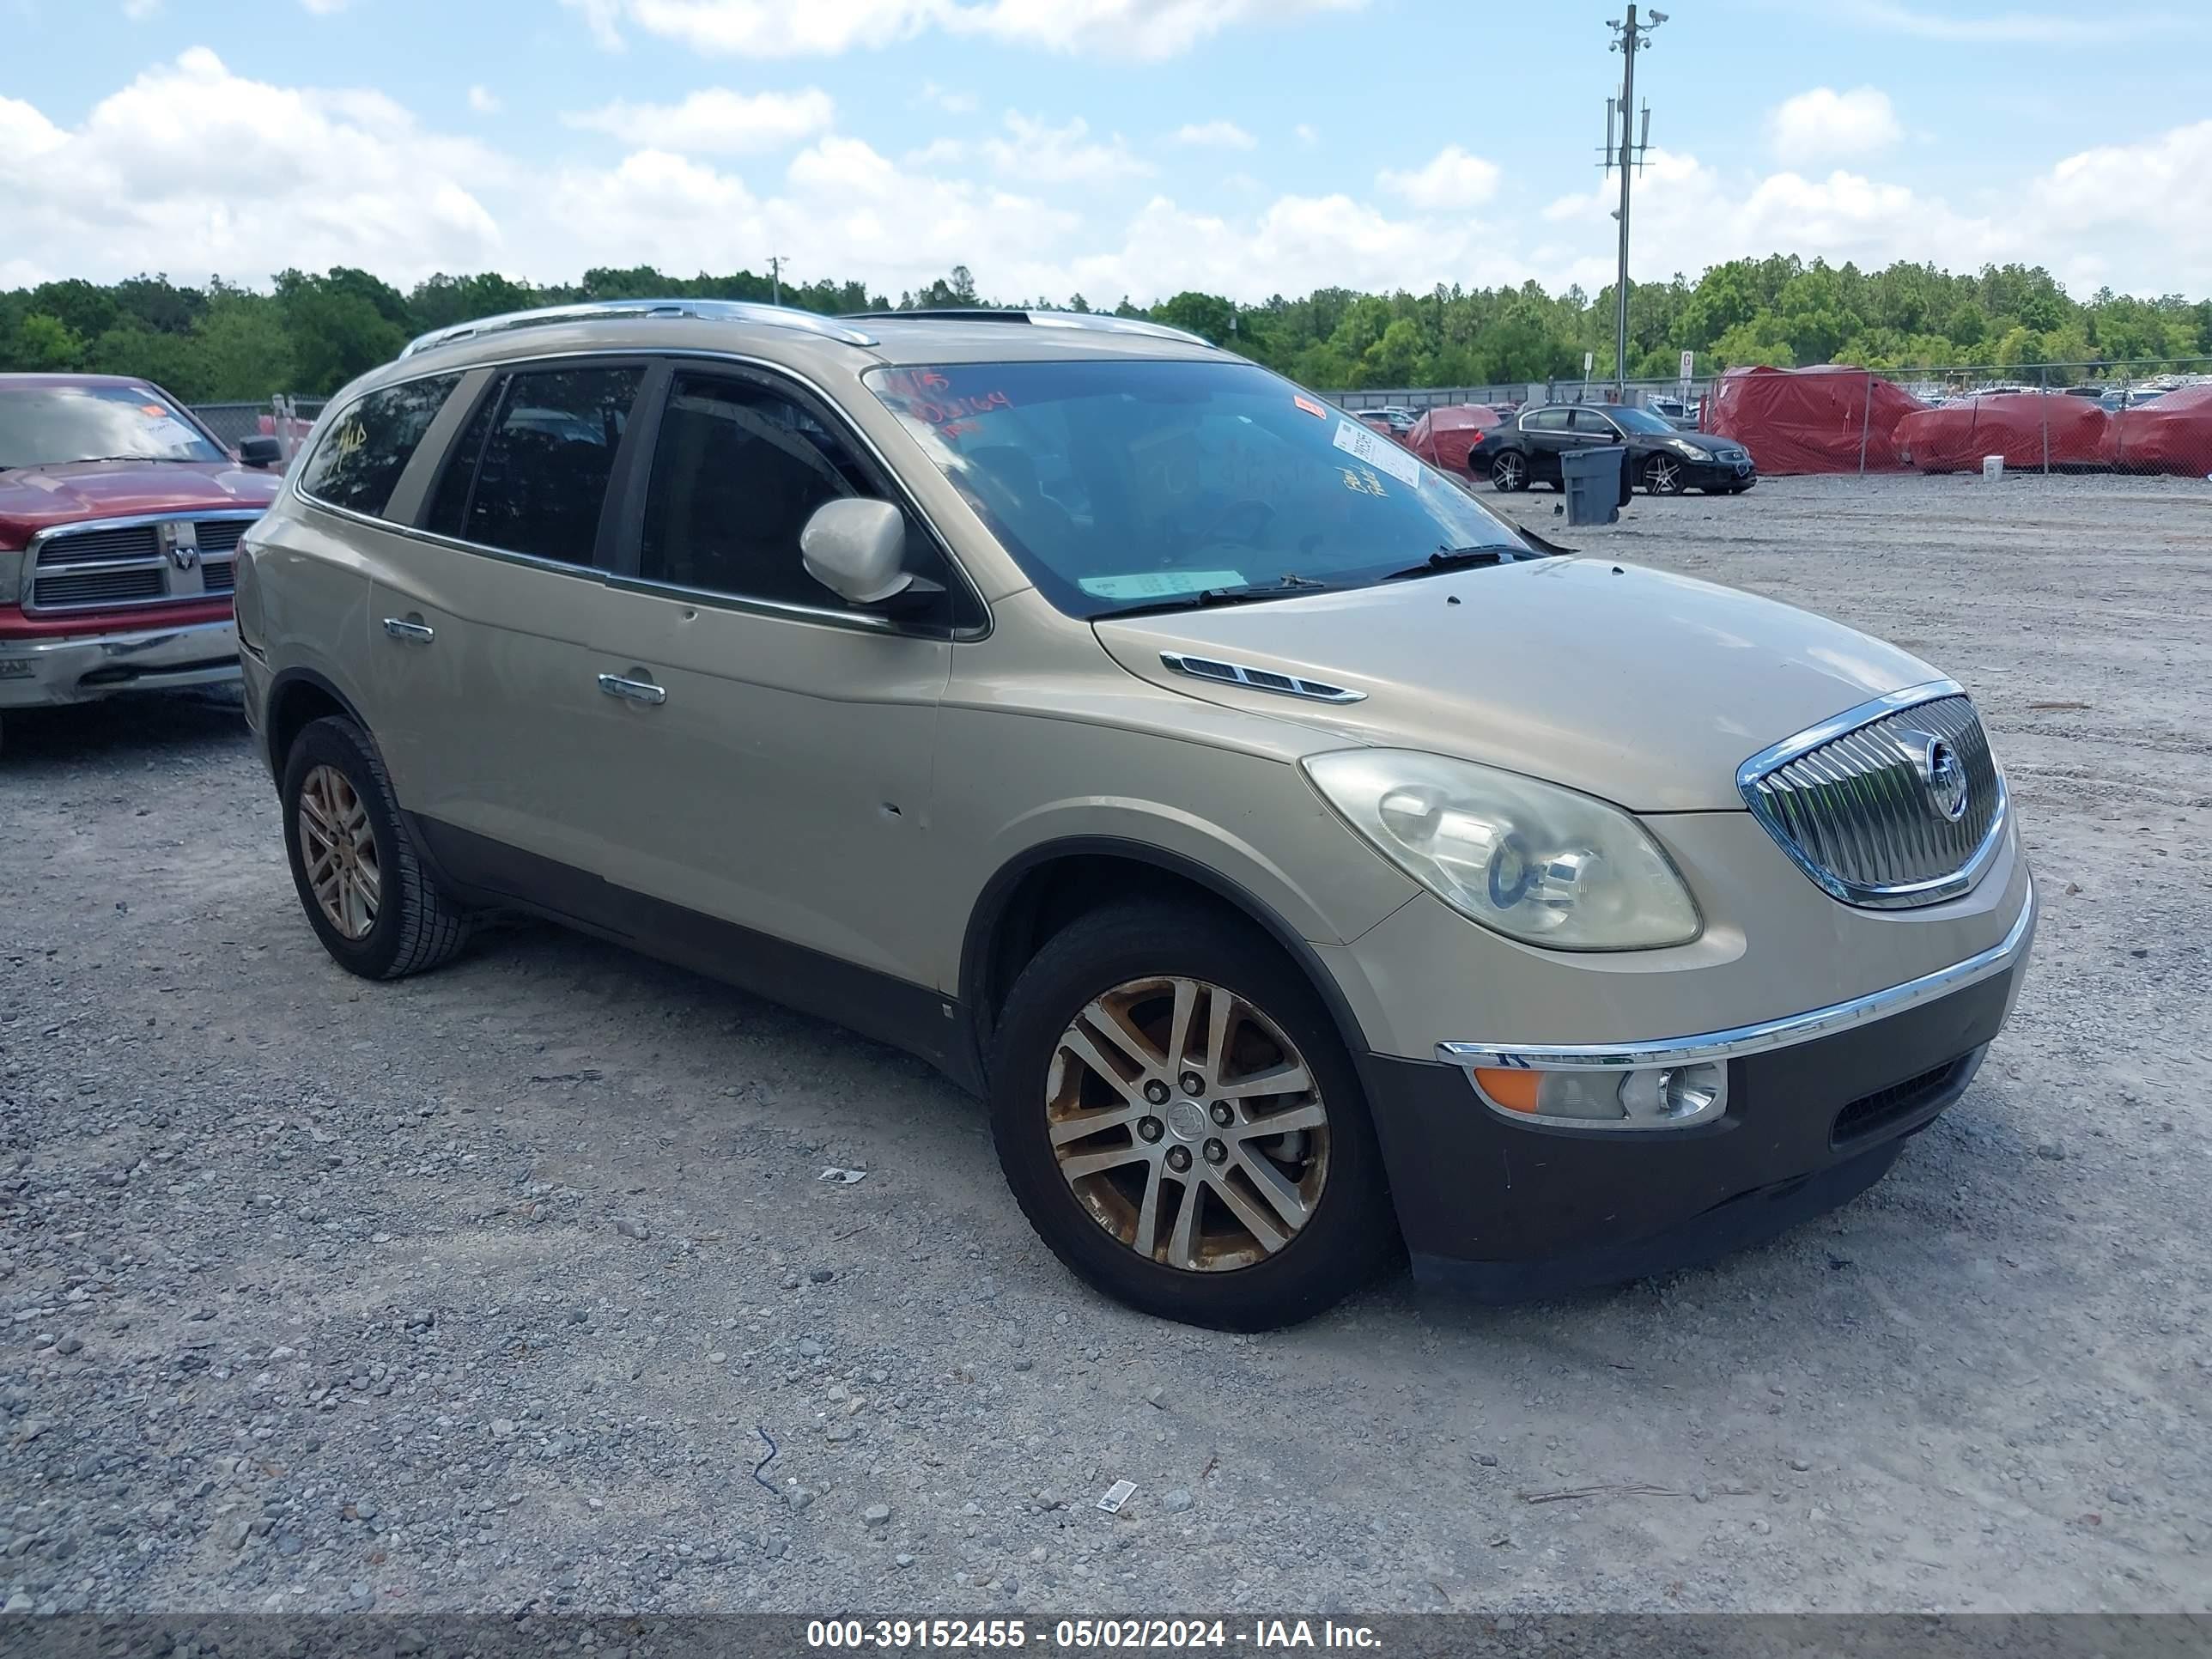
365 449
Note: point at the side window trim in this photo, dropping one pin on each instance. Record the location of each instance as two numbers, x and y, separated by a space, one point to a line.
498 377
634 478
325 430
410 496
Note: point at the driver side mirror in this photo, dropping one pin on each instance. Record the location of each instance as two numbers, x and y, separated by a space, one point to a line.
258 451
855 547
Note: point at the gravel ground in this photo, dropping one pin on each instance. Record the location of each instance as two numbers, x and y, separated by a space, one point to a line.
483 1291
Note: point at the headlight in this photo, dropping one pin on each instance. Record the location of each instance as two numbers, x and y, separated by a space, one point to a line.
1531 859
1684 447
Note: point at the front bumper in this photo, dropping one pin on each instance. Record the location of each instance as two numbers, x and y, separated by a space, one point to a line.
1817 1107
44 672
1719 475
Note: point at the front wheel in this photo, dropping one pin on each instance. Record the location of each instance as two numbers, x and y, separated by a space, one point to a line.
1663 475
1509 471
366 893
1180 1121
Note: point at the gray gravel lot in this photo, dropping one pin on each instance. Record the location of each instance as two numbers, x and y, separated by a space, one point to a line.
480 1290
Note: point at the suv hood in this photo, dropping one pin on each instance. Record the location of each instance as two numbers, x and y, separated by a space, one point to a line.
1645 689
34 498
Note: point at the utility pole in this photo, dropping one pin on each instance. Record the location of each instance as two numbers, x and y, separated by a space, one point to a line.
775 275
1629 36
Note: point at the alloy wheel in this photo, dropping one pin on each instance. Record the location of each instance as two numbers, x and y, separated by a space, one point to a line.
338 847
1662 476
1508 471
1188 1124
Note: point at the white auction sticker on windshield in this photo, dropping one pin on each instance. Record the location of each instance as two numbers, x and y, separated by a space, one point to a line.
1377 451
1158 584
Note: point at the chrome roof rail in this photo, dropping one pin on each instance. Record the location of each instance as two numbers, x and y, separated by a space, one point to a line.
1102 322
728 311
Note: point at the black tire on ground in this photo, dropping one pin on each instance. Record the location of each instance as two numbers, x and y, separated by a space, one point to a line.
1662 476
1509 471
416 927
1353 1234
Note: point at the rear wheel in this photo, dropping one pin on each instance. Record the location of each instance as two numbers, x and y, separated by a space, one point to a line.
366 893
1663 475
1181 1125
1509 471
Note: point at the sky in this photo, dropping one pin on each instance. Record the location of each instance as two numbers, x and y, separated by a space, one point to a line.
1109 148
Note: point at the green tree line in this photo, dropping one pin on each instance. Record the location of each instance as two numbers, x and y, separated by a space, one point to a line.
309 333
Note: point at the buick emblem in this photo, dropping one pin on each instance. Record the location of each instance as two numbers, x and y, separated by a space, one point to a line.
1945 776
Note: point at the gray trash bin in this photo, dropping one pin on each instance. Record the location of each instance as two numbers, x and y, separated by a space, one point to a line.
1597 482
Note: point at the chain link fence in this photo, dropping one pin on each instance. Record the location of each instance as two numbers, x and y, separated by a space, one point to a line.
286 419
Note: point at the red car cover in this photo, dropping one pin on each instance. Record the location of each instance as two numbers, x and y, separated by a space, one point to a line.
2173 434
1443 436
1811 419
2014 424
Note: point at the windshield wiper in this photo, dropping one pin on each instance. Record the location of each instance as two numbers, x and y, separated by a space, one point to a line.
1212 595
89 461
1450 558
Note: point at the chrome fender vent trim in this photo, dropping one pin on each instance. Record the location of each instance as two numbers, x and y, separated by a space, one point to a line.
1257 679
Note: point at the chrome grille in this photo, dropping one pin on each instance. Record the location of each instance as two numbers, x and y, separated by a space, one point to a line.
221 535
158 559
1851 801
141 542
97 587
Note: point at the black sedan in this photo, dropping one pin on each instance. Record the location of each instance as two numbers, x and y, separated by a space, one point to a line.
1664 460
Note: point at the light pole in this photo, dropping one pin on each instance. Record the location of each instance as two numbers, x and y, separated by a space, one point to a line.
1629 36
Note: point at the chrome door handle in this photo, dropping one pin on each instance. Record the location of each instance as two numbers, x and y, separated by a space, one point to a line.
414 632
643 691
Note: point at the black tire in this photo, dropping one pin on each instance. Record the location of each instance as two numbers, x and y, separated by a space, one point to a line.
416 927
1509 471
1661 475
1352 1234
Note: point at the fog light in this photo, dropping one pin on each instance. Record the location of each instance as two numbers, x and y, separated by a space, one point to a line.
1675 1095
1657 1097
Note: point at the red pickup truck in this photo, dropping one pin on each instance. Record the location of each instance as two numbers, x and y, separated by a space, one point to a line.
119 514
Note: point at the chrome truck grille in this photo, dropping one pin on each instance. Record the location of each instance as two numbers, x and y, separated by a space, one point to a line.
1896 803
113 564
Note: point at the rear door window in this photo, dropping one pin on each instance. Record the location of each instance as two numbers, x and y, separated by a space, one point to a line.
530 473
1546 420
367 446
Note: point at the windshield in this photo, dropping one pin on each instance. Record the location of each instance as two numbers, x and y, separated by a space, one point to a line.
1640 420
48 425
1119 484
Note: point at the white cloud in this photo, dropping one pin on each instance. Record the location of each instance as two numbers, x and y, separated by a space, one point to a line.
1825 124
325 8
139 10
713 121
1039 154
483 100
774 28
1306 134
317 177
307 177
1453 178
1216 135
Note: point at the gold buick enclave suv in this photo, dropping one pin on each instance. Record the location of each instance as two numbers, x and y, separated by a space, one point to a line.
1304 864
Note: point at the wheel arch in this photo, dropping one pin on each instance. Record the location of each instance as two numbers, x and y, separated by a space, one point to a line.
297 696
1041 889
